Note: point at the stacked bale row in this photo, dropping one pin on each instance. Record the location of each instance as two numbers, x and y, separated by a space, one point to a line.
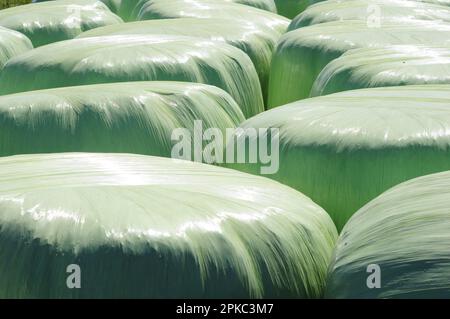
100 85
302 54
345 150
159 227
136 58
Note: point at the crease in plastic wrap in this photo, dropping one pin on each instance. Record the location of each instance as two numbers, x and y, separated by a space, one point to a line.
291 8
54 21
344 149
267 5
202 9
133 117
254 38
381 67
12 43
405 232
136 58
150 227
303 53
371 11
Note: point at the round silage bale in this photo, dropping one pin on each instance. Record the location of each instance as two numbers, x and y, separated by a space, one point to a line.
379 67
303 53
254 38
150 227
398 245
129 9
54 21
439 2
344 149
134 117
210 9
12 43
373 12
136 58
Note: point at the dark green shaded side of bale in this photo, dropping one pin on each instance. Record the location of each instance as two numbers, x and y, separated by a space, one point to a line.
396 246
341 186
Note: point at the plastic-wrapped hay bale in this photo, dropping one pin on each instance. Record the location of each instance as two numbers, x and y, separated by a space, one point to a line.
390 66
344 149
290 8
213 9
303 53
150 227
54 21
255 39
440 2
129 9
134 117
399 242
370 11
136 58
12 43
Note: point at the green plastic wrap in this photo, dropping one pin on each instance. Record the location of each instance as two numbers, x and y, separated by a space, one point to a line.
440 2
255 39
134 117
378 67
129 9
290 8
303 53
268 5
170 9
124 8
12 43
136 58
344 149
150 227
54 21
405 234
371 11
